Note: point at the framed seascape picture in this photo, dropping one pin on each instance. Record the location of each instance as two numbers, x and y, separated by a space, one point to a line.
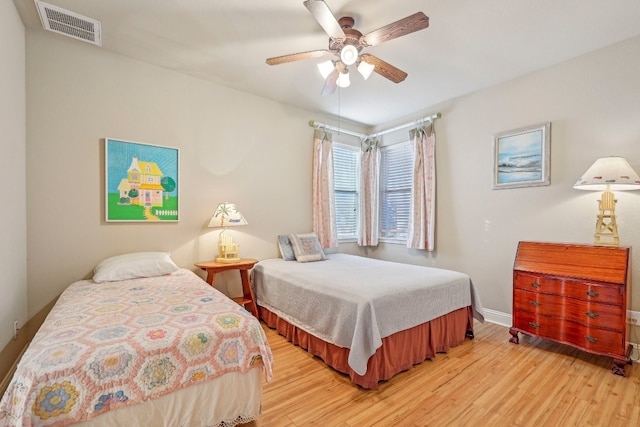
521 157
141 182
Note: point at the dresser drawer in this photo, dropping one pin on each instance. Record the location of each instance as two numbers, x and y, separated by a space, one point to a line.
586 312
596 292
589 338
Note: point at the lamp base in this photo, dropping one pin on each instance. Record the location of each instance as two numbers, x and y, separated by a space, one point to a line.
228 252
610 239
228 260
606 226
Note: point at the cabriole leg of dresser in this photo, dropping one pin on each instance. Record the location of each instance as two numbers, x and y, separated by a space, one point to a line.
618 367
514 338
618 364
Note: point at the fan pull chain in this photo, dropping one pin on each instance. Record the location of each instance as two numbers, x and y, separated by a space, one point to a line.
339 113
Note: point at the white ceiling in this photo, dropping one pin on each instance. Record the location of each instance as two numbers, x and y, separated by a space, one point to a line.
469 45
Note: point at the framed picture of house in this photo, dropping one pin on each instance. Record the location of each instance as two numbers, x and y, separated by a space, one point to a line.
141 182
521 157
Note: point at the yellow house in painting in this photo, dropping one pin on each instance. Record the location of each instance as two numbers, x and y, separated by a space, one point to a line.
144 177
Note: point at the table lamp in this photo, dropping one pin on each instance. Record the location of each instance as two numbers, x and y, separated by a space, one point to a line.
227 215
606 174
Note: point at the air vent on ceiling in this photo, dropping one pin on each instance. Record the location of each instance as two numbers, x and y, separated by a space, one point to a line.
69 23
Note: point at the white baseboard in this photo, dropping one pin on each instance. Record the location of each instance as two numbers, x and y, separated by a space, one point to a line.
497 317
635 354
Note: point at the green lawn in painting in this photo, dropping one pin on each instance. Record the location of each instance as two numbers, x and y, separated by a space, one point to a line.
118 212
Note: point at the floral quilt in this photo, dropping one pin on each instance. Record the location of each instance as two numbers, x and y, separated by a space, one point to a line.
105 346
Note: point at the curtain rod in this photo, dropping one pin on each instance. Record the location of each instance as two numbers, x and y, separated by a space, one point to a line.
406 125
316 125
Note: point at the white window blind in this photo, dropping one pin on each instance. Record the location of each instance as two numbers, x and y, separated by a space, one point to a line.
346 161
396 176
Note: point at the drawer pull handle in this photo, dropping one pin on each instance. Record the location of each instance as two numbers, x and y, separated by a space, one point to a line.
534 325
592 315
593 293
535 284
534 303
591 339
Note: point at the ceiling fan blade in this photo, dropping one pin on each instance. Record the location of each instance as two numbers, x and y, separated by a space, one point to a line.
385 69
325 18
410 24
297 56
331 83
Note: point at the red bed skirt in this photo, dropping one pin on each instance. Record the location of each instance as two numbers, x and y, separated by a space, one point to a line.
398 353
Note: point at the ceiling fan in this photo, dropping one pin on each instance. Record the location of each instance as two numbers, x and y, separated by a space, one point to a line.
347 43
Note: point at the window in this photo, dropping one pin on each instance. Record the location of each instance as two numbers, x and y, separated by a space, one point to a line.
396 177
346 180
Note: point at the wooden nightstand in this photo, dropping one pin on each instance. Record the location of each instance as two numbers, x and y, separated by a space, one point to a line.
247 300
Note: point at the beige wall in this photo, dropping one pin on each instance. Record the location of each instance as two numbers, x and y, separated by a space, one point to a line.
233 147
13 243
593 103
257 153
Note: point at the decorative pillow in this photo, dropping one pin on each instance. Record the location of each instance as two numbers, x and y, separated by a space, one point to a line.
306 247
134 265
286 250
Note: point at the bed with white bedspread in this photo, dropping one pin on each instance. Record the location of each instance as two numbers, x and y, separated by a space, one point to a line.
355 303
164 351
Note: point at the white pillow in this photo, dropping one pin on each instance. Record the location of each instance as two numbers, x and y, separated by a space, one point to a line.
306 247
134 265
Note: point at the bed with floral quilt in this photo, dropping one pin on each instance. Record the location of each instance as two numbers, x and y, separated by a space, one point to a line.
166 350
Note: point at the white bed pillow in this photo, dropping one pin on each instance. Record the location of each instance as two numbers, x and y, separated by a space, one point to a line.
306 247
134 265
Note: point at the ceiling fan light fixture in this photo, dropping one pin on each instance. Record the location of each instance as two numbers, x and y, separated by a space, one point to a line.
343 79
349 54
365 69
326 68
346 42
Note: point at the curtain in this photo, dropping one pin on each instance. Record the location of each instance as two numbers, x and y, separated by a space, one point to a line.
422 221
369 167
324 217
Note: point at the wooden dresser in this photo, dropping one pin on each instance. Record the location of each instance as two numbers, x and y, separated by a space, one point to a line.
576 295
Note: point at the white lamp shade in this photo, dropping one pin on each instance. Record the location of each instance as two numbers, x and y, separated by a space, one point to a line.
614 172
343 79
326 68
227 215
365 69
349 54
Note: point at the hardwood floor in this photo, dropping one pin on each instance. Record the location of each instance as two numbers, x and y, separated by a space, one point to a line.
487 381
